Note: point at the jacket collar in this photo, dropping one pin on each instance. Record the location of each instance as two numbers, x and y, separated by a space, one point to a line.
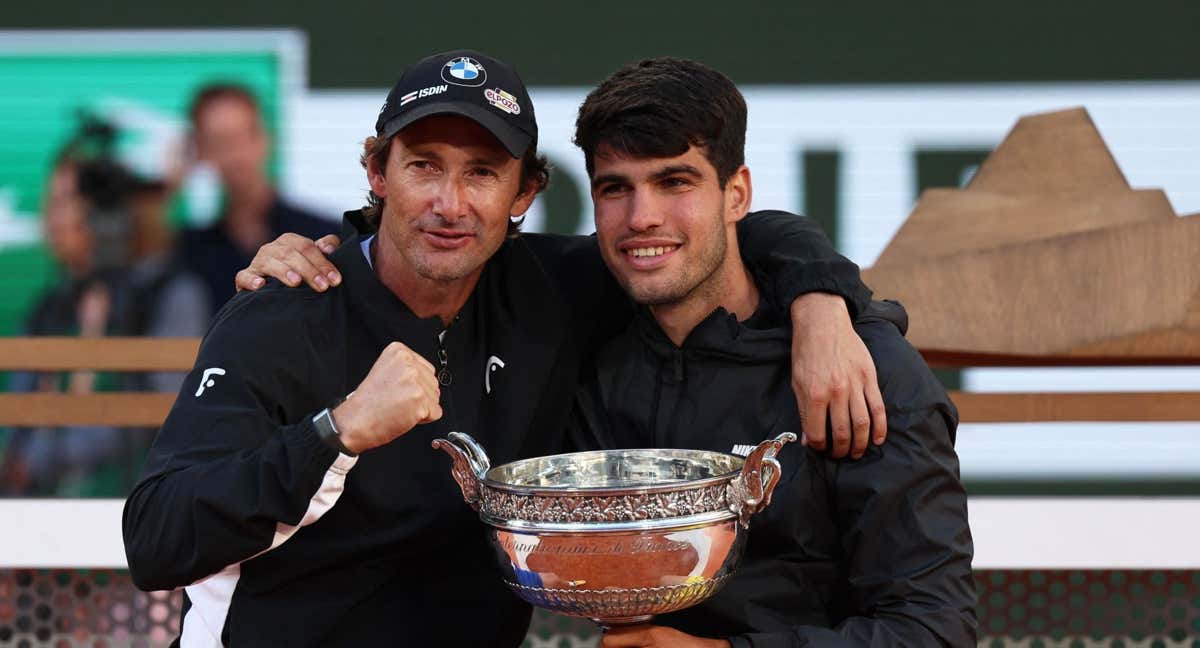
375 300
354 222
719 334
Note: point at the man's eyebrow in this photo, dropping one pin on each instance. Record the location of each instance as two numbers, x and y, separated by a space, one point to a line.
490 160
674 169
665 172
423 152
608 178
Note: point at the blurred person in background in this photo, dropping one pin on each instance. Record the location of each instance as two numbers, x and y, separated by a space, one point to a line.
106 227
168 299
85 302
228 134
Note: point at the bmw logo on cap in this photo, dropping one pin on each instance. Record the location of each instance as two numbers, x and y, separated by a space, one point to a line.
464 71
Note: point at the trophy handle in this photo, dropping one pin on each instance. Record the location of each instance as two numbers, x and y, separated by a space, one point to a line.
470 464
750 492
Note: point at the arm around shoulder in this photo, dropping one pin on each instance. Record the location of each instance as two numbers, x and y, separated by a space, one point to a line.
796 257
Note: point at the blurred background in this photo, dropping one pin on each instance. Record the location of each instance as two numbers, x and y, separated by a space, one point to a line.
114 221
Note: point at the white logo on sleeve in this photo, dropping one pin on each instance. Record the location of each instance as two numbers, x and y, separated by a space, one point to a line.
208 379
493 364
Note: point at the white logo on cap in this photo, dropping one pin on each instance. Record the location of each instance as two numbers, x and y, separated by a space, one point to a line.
464 71
424 92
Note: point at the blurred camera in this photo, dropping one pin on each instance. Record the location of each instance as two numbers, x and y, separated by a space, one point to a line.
109 187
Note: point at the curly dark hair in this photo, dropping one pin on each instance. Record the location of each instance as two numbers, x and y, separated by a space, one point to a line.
659 107
535 172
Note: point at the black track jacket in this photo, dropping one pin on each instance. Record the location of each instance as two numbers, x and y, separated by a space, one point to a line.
281 541
873 552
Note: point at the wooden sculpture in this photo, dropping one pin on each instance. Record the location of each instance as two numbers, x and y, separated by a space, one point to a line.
1047 253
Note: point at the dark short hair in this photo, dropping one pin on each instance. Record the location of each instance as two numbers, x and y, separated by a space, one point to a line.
217 91
659 107
535 175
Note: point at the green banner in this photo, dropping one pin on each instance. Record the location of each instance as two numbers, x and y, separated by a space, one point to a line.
140 82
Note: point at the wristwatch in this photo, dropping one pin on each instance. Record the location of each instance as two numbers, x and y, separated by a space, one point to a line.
327 431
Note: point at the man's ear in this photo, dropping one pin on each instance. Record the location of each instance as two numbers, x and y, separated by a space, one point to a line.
375 175
738 192
524 200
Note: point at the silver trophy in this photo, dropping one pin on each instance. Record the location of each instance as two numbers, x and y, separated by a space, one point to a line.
617 536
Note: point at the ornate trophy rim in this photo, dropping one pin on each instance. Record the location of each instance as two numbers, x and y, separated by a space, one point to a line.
736 460
594 528
608 509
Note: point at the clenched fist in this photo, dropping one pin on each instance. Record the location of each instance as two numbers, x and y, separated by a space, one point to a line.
400 392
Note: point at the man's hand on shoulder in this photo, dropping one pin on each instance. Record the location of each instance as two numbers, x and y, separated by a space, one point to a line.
833 374
650 636
400 392
292 258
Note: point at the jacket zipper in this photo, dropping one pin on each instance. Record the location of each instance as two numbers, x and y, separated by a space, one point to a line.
658 432
443 374
680 388
444 377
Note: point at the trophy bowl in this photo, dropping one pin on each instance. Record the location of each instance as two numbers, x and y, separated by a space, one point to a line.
617 536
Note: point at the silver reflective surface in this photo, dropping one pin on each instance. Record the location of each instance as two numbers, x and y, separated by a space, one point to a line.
619 578
617 535
615 469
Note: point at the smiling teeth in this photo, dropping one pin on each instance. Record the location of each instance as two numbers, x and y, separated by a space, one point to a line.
650 251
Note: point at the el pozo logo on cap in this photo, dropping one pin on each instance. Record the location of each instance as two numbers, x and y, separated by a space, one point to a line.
502 100
464 71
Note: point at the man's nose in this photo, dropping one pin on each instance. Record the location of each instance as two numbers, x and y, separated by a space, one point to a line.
450 202
645 212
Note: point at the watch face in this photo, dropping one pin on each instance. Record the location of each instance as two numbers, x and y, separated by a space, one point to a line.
328 433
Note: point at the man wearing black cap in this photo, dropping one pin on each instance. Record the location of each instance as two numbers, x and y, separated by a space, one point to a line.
292 490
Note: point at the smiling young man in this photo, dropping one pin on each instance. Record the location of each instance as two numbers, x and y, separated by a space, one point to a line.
292 490
874 552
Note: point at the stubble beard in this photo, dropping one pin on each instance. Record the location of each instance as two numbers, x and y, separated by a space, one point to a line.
447 271
454 265
694 281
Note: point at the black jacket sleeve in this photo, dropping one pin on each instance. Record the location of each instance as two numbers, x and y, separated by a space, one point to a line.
902 515
236 466
598 306
789 251
796 257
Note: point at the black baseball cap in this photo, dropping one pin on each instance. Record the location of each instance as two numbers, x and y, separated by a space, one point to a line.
467 83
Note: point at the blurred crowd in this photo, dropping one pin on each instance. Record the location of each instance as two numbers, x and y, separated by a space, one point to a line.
124 270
